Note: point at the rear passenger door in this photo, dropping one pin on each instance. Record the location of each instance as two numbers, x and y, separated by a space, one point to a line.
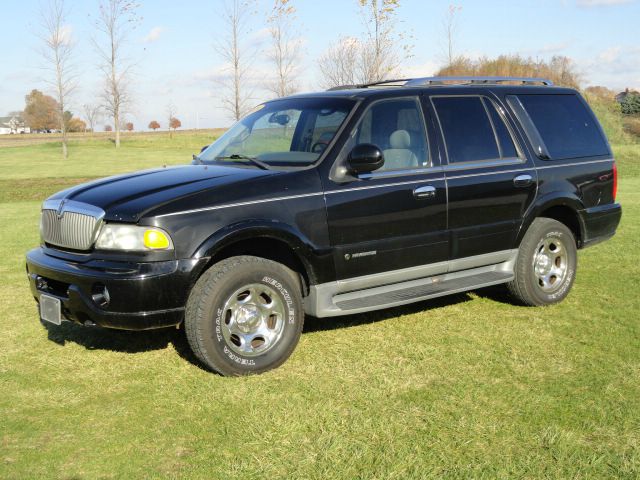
490 180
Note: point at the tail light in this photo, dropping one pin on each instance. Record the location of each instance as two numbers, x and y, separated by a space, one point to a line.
615 181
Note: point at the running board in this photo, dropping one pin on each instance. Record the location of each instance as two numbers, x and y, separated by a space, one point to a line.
322 302
390 296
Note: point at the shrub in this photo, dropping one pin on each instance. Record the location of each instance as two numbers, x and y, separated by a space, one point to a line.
610 117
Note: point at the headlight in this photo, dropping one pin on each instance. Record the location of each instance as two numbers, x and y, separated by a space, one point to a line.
115 236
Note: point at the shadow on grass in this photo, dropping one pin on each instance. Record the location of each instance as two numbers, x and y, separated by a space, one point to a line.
500 294
96 338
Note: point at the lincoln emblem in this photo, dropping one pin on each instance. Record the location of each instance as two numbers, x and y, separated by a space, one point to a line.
60 210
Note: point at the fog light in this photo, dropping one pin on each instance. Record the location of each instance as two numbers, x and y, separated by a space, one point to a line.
100 295
41 284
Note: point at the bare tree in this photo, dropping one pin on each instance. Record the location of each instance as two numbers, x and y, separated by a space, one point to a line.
379 54
450 25
285 47
57 52
337 65
237 57
115 21
171 114
372 58
92 113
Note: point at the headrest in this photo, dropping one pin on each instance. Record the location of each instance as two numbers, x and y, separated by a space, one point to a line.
400 139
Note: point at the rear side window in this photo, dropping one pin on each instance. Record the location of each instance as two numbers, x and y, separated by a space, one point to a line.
473 130
567 127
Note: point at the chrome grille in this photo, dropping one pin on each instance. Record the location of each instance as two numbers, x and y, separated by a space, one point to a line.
74 226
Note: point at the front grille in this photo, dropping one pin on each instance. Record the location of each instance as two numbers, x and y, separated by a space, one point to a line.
74 230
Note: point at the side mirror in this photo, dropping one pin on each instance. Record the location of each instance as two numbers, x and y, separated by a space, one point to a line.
204 148
279 118
365 158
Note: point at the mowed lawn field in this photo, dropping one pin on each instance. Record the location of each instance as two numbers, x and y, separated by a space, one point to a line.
469 386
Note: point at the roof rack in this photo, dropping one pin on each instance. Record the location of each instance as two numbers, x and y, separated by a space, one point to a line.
472 80
381 83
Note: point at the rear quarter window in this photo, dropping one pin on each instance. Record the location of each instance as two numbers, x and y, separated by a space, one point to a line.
566 125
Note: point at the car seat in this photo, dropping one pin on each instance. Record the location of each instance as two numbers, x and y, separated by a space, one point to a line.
399 156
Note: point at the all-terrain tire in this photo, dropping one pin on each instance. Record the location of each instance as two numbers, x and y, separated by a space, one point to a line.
244 315
546 264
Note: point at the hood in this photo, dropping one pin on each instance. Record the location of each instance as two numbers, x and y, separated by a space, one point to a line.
131 196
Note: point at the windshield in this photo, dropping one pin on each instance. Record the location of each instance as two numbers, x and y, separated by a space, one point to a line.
290 132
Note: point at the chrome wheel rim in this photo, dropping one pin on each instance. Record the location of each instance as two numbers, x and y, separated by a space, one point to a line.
550 262
253 320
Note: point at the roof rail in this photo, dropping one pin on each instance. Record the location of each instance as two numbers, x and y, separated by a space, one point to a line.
472 80
380 83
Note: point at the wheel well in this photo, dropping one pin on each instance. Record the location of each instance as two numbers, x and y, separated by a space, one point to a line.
269 248
568 217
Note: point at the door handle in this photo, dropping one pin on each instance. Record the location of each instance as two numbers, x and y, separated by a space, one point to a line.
427 191
523 180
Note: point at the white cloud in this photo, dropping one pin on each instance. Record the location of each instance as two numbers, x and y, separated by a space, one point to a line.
610 55
66 32
553 48
426 69
602 3
615 67
154 34
260 36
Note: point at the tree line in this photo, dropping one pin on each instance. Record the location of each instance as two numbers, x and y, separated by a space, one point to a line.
41 115
374 54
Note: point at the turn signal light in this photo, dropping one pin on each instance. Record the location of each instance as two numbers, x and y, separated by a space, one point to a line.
155 239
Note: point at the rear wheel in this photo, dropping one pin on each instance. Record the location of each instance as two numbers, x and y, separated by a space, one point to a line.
546 264
244 315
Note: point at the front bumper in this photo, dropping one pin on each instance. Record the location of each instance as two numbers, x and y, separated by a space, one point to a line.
141 296
599 223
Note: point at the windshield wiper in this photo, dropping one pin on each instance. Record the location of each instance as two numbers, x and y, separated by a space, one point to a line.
253 160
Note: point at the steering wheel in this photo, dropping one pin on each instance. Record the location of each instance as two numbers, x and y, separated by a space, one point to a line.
319 147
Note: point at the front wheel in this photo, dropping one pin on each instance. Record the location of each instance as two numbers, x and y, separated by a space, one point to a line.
546 264
244 315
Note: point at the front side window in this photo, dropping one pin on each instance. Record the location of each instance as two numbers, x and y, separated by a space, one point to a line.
288 132
396 127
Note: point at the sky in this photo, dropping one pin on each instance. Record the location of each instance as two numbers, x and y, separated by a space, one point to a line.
176 62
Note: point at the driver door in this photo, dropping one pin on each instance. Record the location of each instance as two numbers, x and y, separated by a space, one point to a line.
396 217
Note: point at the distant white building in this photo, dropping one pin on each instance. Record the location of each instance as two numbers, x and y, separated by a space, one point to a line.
13 124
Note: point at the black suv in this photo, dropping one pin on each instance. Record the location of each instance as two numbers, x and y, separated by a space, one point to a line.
356 199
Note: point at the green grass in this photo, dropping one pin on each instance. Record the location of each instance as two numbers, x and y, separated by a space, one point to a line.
468 386
98 157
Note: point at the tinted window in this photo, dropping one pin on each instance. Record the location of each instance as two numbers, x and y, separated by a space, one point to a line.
566 126
395 127
507 147
467 131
